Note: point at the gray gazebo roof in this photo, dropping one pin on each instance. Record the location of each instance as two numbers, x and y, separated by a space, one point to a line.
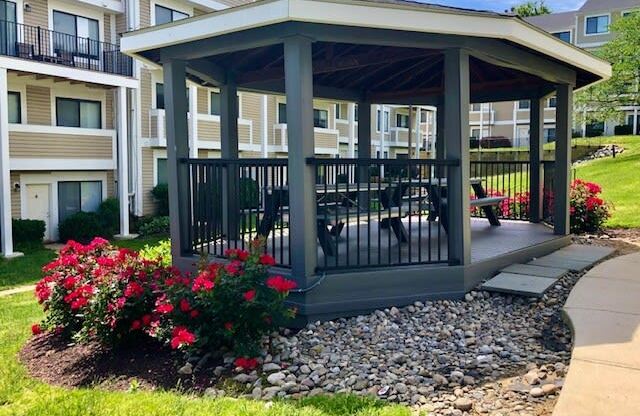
391 49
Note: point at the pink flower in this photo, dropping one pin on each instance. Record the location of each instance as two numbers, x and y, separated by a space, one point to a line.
135 325
267 260
133 290
280 284
181 336
184 305
249 295
36 329
164 308
246 363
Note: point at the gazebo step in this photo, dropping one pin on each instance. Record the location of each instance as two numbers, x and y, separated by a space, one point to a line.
558 261
541 271
583 252
519 284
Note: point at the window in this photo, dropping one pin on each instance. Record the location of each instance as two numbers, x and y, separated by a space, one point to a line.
476 107
320 118
78 196
75 34
15 114
551 102
597 25
338 114
382 121
8 30
159 96
402 120
167 15
71 112
523 104
475 133
215 104
629 13
549 134
282 113
161 171
356 118
564 35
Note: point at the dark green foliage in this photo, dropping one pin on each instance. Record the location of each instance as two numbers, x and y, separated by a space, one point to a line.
160 194
109 212
154 225
27 231
623 130
83 227
249 194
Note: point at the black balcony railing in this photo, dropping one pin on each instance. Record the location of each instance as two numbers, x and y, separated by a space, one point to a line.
44 45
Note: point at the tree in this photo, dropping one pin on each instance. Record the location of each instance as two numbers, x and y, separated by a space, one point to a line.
603 101
531 8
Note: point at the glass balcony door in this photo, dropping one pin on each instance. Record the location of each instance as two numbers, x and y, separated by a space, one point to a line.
8 28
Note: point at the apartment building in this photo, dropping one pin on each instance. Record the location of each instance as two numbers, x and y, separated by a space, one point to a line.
588 28
64 94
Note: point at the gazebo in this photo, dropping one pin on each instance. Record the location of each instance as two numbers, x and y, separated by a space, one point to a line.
364 233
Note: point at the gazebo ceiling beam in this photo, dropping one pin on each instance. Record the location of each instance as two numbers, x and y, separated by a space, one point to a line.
319 90
207 71
397 74
340 64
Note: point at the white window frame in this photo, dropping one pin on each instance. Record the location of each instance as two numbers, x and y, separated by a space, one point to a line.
169 5
607 15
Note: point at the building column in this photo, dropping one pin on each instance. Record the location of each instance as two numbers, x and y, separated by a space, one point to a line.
6 239
229 150
193 121
298 67
351 116
439 132
265 126
536 177
177 132
456 128
123 161
562 168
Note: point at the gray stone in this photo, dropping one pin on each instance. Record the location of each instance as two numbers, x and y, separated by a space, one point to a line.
276 378
519 284
270 367
464 404
536 392
186 369
533 270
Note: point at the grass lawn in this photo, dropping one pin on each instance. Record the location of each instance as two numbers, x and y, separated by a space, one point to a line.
140 242
21 395
26 269
620 180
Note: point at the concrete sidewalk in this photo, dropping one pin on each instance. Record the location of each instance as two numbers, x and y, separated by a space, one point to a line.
19 289
604 311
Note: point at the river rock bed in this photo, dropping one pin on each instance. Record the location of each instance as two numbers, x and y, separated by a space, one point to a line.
488 354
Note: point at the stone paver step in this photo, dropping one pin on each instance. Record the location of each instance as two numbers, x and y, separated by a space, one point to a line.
560 261
519 284
530 269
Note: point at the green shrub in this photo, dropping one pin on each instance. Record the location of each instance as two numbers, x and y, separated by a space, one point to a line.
82 227
154 225
160 194
160 253
27 231
623 130
249 193
109 213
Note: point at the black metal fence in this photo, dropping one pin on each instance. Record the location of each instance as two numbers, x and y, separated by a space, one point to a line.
44 45
234 201
380 212
509 180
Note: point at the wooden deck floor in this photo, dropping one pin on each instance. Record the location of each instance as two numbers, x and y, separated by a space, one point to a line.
379 247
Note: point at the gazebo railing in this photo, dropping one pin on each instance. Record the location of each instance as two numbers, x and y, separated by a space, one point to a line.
508 179
380 212
230 202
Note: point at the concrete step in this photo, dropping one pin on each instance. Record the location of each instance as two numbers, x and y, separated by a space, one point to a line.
519 284
530 269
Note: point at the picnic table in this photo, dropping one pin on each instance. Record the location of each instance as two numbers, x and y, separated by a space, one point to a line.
392 196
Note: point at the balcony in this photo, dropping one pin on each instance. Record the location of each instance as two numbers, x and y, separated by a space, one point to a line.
43 45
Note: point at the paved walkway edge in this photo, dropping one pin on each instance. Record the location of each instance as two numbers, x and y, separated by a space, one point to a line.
604 314
19 289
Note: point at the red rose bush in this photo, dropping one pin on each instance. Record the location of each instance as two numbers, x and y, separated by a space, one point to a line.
587 209
96 292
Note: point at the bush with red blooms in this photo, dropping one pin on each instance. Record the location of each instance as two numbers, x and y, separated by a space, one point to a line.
98 292
587 209
235 305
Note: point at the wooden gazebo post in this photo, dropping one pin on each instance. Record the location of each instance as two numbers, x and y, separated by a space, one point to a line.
562 169
177 148
456 130
536 180
298 68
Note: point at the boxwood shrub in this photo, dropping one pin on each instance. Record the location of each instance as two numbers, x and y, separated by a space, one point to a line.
28 231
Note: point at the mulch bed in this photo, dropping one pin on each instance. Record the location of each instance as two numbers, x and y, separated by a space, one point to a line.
146 365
